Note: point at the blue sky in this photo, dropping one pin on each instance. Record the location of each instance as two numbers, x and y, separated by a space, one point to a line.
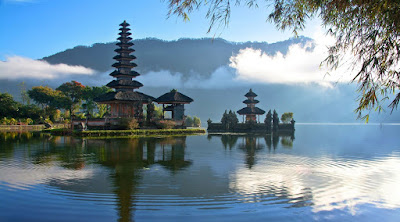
38 28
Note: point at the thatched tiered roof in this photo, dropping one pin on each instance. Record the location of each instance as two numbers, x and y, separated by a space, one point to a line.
251 111
125 96
174 97
251 94
250 102
124 85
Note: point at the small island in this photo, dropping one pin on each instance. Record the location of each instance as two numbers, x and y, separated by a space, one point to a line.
251 120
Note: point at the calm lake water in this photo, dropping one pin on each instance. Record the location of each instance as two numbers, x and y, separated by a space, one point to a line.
321 173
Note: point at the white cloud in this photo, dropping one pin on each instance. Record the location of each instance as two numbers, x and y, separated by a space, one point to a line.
16 67
222 77
299 66
161 78
22 176
253 66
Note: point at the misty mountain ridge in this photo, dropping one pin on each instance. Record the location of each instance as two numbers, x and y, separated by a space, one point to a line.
184 56
202 60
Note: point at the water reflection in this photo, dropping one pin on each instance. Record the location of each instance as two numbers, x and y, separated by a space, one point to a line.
149 178
70 160
251 144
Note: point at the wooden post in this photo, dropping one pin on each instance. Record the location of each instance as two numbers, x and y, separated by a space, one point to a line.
163 111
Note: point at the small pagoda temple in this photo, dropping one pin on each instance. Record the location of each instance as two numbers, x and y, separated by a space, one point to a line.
175 102
251 111
230 123
125 101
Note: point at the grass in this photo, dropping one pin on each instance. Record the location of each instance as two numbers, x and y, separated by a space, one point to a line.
127 133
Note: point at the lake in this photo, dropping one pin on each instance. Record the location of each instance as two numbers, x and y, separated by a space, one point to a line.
321 173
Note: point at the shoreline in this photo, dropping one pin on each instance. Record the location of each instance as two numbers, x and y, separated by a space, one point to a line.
125 133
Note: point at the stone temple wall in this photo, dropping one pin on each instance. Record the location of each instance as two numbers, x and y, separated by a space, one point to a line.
249 128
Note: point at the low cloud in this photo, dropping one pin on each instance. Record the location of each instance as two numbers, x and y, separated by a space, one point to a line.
223 77
16 67
299 66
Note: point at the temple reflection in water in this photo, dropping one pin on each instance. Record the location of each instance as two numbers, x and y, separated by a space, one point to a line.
251 144
130 179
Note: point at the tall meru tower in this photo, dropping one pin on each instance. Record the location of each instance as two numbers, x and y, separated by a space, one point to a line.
125 101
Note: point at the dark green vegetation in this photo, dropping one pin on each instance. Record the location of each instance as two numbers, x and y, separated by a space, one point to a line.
70 97
126 133
192 121
370 30
13 112
287 117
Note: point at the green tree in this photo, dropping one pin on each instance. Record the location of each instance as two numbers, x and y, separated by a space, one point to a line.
8 107
158 111
30 111
48 97
232 118
150 114
24 94
74 91
196 121
42 95
287 117
369 30
189 121
50 100
89 94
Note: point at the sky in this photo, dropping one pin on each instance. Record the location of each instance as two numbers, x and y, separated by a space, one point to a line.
39 28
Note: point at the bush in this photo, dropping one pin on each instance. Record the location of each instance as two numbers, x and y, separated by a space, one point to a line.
5 121
133 124
80 116
189 121
166 124
29 121
196 121
287 117
47 120
13 121
128 123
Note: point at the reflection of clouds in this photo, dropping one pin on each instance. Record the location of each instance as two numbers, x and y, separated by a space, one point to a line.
24 175
329 183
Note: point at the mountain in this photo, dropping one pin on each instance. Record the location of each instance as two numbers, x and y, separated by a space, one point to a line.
199 62
185 56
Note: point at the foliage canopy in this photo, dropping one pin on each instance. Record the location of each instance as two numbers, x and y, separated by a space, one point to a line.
287 117
367 29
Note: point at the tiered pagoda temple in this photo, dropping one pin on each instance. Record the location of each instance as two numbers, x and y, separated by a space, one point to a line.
251 111
175 102
125 101
230 123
